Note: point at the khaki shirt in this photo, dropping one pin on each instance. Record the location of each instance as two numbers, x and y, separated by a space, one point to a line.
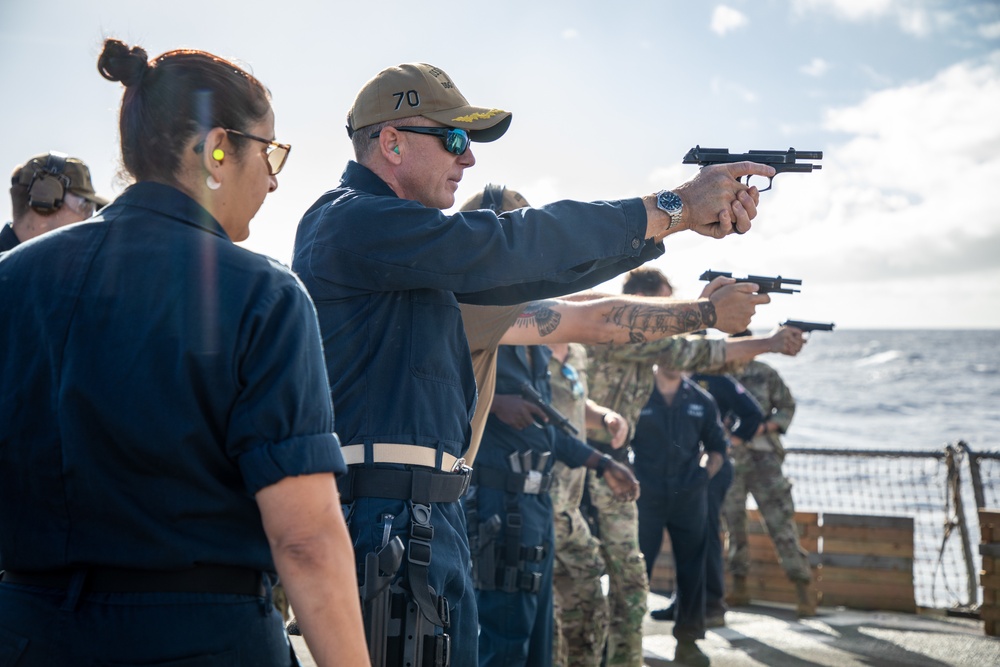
484 327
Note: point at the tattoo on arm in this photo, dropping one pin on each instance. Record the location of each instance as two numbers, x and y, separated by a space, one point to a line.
541 315
648 322
708 314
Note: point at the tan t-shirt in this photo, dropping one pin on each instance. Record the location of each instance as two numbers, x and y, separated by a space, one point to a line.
484 327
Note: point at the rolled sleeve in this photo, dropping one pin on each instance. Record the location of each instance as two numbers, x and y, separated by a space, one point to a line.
303 455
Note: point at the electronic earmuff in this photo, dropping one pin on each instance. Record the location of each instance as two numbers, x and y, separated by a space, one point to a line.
493 197
47 184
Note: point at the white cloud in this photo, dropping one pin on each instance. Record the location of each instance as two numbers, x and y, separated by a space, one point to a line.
570 33
726 19
990 30
910 193
851 10
912 16
815 67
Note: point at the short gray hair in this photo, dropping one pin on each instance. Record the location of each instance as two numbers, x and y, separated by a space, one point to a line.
364 145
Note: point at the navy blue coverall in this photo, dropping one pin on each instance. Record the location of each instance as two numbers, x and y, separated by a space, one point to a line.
8 239
516 626
742 412
156 376
668 445
386 275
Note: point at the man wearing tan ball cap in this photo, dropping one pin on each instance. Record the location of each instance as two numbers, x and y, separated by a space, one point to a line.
47 192
387 268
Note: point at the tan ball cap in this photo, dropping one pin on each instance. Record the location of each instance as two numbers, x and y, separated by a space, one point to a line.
419 89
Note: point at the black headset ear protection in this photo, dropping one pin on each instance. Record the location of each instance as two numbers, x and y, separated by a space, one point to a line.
493 198
48 184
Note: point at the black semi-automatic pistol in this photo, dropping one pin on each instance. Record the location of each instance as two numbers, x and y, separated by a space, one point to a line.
808 326
782 161
766 284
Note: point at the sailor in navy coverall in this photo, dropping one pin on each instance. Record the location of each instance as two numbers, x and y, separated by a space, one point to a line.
669 441
159 384
515 596
399 364
742 414
387 268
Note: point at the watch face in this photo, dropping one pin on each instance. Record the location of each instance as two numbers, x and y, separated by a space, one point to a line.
668 201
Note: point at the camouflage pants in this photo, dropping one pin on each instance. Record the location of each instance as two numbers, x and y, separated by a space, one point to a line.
580 607
619 536
759 473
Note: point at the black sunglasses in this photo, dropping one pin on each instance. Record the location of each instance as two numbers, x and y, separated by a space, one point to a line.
455 140
275 153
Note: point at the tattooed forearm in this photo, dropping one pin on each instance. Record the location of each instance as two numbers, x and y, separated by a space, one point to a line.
541 315
645 322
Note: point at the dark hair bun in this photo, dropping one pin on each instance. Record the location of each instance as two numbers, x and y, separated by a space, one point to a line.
118 62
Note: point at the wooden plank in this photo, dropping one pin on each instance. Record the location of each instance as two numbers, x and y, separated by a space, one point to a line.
893 549
869 521
989 516
992 549
991 581
991 612
865 561
845 575
868 534
991 565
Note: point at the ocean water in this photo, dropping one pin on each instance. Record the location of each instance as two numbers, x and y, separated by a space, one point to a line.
899 390
895 389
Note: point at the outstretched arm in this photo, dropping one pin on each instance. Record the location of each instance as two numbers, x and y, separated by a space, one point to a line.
783 340
634 319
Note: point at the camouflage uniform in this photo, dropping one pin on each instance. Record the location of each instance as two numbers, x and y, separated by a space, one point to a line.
621 379
580 606
758 471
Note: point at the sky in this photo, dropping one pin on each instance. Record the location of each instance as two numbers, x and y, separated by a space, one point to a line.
900 228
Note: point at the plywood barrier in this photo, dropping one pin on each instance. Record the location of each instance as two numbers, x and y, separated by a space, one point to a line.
869 560
858 561
989 576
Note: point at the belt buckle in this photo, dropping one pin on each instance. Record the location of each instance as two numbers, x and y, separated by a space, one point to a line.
460 468
533 482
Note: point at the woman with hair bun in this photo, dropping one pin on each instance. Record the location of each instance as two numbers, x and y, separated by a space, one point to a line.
166 432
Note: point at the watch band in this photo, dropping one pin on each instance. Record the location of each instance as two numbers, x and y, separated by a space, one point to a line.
670 203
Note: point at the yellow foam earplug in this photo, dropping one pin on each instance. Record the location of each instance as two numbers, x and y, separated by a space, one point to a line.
218 154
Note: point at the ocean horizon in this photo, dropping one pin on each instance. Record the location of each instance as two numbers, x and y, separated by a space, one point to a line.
899 389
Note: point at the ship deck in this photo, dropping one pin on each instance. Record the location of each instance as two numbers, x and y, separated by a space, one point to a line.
769 634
